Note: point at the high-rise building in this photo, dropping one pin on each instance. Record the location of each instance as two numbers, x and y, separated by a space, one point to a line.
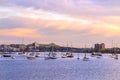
100 47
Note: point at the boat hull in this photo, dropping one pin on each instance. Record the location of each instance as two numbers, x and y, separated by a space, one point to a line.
30 57
6 55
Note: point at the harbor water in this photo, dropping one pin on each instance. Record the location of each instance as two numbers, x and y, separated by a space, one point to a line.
21 68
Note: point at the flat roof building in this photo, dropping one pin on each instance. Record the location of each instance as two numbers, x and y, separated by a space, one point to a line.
99 47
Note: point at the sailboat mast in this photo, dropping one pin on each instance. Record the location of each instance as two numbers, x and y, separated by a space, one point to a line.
112 48
71 47
85 50
67 47
22 44
52 48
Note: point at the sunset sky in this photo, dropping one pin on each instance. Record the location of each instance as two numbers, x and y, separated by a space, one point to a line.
45 21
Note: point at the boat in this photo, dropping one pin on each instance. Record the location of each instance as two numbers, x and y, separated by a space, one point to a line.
85 58
31 56
37 55
99 55
93 54
22 53
68 54
64 56
51 55
114 50
116 57
96 54
6 55
13 57
78 56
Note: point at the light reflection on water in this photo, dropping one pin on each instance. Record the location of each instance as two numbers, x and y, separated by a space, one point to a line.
60 69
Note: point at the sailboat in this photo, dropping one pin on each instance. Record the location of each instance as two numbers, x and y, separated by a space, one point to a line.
114 55
78 56
51 55
99 54
85 58
22 53
68 54
36 53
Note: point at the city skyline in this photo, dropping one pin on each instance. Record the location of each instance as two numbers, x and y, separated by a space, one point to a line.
59 21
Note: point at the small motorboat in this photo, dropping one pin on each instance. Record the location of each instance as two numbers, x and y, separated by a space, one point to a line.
68 55
37 55
6 55
31 57
64 56
93 54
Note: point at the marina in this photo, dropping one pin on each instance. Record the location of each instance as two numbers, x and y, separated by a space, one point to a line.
21 68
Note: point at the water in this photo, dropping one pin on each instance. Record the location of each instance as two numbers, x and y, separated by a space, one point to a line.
60 69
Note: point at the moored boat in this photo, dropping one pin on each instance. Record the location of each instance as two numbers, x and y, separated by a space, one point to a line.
6 55
31 56
51 55
85 58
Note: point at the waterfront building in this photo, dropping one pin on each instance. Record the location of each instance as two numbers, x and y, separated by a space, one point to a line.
99 47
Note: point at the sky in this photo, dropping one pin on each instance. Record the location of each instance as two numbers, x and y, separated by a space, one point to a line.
44 21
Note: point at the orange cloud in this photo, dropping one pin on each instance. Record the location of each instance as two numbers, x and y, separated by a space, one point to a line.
106 30
21 32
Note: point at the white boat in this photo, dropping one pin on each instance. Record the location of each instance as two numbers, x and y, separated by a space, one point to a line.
115 56
37 55
99 55
31 56
93 54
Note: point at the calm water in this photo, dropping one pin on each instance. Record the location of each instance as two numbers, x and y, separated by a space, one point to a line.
60 69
